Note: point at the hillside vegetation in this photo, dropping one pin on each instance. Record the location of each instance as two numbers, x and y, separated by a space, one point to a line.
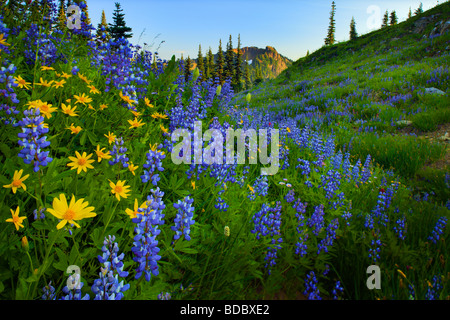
91 190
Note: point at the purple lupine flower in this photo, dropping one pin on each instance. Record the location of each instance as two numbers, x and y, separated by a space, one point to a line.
374 250
400 228
433 288
153 164
49 292
330 236
438 229
316 220
119 153
290 196
337 290
74 294
33 139
184 218
108 287
145 246
311 287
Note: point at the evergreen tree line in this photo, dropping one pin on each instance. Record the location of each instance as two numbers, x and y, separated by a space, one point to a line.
228 65
389 19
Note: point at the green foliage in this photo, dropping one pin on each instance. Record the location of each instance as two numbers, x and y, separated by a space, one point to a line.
353 33
330 39
118 28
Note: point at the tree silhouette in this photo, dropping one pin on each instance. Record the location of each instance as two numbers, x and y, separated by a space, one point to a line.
329 40
118 28
353 33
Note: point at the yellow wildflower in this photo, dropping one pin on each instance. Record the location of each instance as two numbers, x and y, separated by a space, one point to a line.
157 115
65 75
126 98
81 162
93 90
135 123
16 219
101 155
73 129
111 137
69 110
17 181
45 68
132 167
82 99
59 84
3 41
147 102
119 189
69 213
22 83
44 83
135 212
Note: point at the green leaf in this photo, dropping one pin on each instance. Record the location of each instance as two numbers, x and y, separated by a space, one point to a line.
83 138
189 250
62 263
5 150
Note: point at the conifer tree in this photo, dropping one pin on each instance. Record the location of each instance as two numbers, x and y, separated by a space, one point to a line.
307 52
101 32
385 22
228 68
248 80
353 33
237 67
329 40
419 10
258 75
219 64
393 18
62 18
187 68
200 63
118 28
409 13
61 5
210 63
86 13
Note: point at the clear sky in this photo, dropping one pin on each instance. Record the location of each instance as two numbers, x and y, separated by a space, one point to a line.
291 26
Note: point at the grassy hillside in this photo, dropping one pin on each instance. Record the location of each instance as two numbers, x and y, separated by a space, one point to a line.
91 185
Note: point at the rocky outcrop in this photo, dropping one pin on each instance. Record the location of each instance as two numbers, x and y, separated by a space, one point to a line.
269 60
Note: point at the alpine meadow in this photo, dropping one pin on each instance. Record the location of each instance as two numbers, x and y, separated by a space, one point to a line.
95 203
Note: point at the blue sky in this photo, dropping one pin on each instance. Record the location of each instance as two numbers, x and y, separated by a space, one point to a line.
291 26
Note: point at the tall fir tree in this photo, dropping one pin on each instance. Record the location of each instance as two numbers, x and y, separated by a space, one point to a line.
210 64
118 28
61 23
219 65
307 52
86 13
258 75
61 5
385 21
353 33
393 18
330 39
419 10
102 29
187 68
200 63
228 67
238 67
248 80
409 13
